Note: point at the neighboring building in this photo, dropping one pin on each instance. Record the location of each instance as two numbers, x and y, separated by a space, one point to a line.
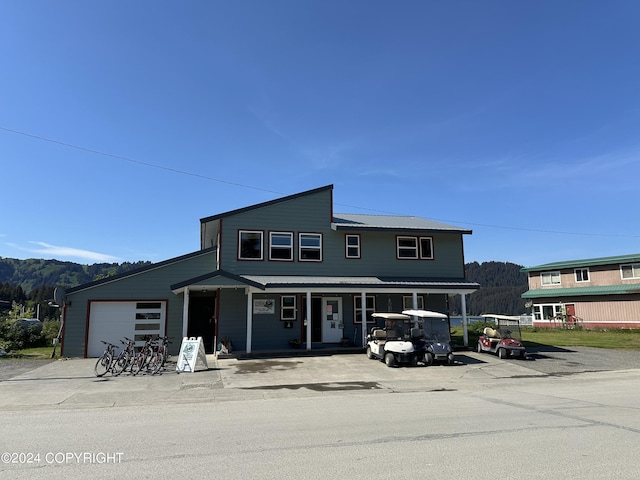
266 272
593 293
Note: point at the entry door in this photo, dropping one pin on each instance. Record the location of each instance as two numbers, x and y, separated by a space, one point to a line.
332 327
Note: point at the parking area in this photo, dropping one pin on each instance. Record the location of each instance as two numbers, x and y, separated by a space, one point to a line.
71 383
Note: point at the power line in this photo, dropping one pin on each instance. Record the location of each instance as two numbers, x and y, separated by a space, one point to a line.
251 187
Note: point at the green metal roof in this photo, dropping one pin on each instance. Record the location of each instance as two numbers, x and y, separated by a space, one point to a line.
583 291
584 263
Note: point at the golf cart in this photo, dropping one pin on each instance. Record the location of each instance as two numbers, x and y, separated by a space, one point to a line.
437 335
505 339
395 343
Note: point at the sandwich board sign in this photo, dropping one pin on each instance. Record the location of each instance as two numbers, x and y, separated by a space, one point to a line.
191 355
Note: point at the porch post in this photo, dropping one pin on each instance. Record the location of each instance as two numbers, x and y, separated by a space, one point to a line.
363 300
308 320
465 333
185 312
249 318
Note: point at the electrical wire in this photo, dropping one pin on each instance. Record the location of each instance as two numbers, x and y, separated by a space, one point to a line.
251 187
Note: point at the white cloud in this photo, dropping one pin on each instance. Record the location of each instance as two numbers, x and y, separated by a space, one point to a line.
55 251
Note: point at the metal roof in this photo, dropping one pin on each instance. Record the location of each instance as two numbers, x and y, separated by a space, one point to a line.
630 288
619 259
452 285
353 221
222 279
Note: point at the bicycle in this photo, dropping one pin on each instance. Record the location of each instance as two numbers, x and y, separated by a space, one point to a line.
123 361
105 362
147 358
163 348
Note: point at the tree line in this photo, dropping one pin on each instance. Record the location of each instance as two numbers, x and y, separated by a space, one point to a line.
31 282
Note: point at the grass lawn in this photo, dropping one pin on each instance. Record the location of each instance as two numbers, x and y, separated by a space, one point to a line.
532 337
33 353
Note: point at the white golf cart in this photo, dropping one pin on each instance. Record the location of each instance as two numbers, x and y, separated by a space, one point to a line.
437 335
396 343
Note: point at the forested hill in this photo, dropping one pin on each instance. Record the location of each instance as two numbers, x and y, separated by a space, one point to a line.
501 284
35 273
501 287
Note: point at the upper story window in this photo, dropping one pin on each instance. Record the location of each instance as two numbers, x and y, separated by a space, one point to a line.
414 247
550 278
281 246
630 271
582 274
310 247
352 246
250 245
426 248
407 247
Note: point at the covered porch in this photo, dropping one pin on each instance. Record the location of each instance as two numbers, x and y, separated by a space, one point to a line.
321 315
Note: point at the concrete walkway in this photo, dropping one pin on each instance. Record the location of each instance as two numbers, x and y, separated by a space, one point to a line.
72 383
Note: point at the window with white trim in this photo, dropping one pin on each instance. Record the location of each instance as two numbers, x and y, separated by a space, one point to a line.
310 247
582 275
370 307
352 245
548 311
250 245
407 302
630 271
407 247
426 248
550 278
281 246
288 307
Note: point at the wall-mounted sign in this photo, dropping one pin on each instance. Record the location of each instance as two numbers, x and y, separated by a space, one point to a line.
264 306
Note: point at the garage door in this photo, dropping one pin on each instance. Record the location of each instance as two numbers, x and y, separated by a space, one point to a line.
112 321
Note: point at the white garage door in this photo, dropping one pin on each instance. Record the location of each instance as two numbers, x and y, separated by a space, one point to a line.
113 321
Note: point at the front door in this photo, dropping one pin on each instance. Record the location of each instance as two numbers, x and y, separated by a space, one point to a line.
332 327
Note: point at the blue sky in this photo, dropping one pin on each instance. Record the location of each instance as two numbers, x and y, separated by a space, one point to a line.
124 123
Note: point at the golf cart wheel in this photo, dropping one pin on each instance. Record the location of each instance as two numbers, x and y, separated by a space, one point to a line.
479 348
428 359
389 360
369 353
502 353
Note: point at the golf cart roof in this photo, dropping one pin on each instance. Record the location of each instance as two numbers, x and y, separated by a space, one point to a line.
424 314
501 317
391 316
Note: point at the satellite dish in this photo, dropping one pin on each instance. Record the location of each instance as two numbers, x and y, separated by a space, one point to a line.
58 296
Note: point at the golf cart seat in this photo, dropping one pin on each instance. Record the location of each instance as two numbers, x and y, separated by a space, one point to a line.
491 333
417 333
379 334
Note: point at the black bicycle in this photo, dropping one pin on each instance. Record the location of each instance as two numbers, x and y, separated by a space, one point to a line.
105 362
